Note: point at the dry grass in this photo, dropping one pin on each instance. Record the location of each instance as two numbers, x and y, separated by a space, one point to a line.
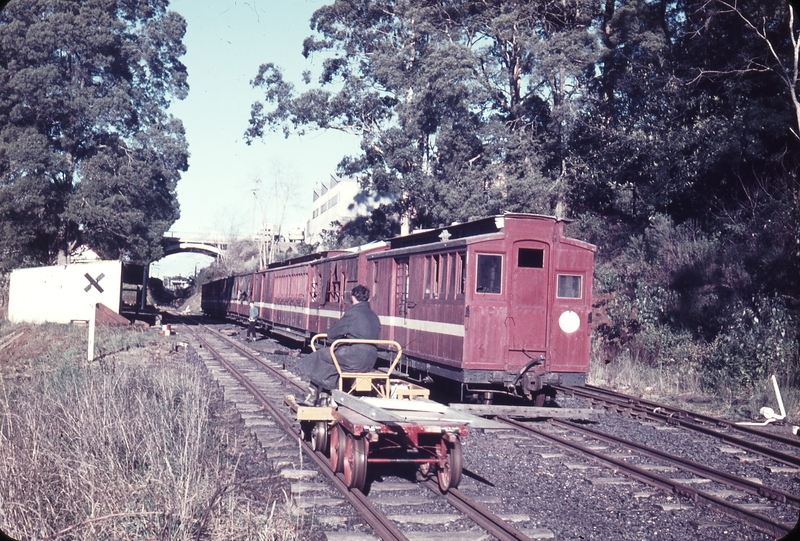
626 375
136 445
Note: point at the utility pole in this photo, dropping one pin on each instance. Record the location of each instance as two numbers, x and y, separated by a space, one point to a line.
255 199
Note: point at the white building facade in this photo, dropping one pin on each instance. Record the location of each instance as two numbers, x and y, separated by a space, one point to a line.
340 200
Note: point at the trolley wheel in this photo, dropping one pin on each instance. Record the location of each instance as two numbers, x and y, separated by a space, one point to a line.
319 436
355 462
338 440
449 475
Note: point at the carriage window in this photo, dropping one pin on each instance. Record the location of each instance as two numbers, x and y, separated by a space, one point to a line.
435 268
314 287
569 287
335 286
401 286
490 268
351 271
375 286
432 276
531 258
462 263
451 279
435 277
443 276
427 282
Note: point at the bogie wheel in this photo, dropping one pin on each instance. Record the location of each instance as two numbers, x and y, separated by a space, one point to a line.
319 436
355 462
338 440
449 475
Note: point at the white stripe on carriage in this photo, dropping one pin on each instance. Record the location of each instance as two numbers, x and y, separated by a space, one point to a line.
451 329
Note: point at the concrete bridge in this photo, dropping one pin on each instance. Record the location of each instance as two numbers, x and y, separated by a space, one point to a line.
175 242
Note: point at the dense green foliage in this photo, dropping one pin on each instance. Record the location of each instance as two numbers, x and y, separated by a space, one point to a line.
88 154
669 129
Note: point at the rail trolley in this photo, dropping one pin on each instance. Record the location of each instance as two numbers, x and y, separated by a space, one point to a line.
375 419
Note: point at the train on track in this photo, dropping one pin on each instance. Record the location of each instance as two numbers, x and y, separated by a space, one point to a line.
496 306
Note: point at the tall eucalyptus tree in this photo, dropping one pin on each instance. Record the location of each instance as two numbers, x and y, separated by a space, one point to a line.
464 108
88 153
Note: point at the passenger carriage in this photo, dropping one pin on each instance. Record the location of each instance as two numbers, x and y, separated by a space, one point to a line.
498 305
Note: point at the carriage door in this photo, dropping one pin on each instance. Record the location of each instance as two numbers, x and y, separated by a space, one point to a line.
400 304
527 324
316 291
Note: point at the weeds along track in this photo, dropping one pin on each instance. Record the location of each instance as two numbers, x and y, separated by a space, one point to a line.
257 387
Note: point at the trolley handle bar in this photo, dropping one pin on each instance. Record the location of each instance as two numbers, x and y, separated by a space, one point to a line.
387 344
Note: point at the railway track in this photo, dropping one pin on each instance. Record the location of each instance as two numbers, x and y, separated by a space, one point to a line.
258 386
771 445
516 475
617 453
770 506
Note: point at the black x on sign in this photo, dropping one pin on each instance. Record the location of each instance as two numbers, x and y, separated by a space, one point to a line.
93 282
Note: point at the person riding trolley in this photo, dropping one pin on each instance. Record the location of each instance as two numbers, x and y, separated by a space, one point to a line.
359 322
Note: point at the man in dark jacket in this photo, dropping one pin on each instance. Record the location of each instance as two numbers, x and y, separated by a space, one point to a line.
358 322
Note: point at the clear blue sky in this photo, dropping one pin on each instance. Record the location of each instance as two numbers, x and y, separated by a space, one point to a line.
226 42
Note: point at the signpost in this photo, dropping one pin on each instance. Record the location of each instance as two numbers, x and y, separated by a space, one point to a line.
92 318
62 294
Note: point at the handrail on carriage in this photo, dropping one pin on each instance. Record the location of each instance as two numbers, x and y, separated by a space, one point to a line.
363 381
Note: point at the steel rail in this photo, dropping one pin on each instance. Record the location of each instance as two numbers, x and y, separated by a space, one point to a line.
688 465
475 511
478 513
760 522
244 351
379 522
672 412
675 417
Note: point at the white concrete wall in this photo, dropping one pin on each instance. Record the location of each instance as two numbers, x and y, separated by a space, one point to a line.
343 210
59 295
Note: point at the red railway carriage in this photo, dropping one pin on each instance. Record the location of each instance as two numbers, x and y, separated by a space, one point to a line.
498 305
304 296
297 298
